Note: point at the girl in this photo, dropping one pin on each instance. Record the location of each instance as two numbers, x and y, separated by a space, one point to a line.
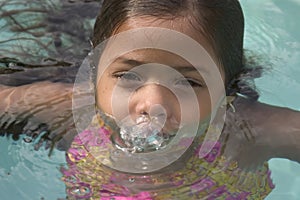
233 167
140 144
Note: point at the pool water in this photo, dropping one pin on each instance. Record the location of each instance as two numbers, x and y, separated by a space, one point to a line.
272 31
28 174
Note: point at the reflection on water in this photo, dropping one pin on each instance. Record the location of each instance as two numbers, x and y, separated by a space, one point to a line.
46 32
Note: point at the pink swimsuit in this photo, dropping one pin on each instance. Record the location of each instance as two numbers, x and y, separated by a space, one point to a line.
209 178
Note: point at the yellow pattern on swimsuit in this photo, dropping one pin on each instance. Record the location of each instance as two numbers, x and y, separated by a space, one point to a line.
209 178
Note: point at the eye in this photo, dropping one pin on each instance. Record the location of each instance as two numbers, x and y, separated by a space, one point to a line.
189 82
128 79
127 76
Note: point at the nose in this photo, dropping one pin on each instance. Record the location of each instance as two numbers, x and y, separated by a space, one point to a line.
154 99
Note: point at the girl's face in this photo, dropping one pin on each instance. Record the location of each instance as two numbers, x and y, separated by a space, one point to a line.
125 82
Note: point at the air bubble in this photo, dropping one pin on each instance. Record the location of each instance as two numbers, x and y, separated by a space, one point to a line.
70 179
143 135
81 191
131 180
27 139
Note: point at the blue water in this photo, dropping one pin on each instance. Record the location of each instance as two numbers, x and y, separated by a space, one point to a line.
272 31
26 174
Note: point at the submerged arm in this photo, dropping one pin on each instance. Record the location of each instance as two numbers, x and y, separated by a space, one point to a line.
36 108
277 129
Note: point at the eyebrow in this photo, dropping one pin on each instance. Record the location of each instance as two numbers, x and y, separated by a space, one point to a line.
182 69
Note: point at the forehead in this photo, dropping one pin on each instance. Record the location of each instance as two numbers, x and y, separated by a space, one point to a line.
134 36
143 56
180 24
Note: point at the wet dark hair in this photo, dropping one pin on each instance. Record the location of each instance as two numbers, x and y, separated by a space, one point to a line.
220 21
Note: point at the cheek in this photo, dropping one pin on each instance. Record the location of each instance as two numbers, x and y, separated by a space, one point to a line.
193 114
204 104
104 95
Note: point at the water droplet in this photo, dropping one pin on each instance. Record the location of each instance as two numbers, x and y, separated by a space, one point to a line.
82 191
131 180
71 179
99 141
11 65
27 140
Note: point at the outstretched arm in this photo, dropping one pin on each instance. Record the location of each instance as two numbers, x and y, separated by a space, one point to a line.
276 129
36 108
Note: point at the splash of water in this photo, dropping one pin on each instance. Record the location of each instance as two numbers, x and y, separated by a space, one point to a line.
144 135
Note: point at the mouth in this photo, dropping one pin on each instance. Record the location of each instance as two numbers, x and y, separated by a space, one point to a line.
146 135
